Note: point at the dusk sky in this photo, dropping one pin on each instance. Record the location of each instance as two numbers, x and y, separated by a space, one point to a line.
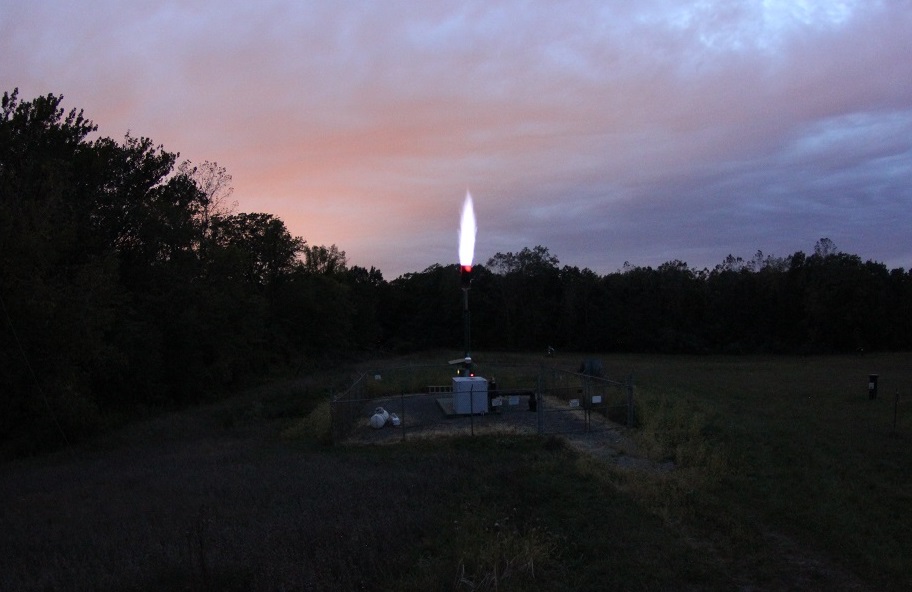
608 131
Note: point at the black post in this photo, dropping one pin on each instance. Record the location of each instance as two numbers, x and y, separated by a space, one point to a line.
333 419
631 419
872 386
587 401
466 320
472 408
465 279
538 409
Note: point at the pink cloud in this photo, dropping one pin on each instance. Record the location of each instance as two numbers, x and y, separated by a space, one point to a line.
362 124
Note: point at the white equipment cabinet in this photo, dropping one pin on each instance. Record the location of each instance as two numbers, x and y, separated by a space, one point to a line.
470 395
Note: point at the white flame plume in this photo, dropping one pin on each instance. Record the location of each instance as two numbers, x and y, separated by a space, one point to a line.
467 230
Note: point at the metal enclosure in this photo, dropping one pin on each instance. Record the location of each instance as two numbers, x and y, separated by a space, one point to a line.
470 395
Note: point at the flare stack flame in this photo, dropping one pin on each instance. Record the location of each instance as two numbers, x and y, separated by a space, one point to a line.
467 230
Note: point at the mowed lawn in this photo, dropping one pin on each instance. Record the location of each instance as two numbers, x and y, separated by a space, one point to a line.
786 477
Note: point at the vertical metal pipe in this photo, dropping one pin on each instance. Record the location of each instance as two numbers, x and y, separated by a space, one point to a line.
402 411
472 407
466 321
538 402
630 415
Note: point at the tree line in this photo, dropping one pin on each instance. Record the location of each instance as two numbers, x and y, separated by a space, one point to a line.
825 302
128 282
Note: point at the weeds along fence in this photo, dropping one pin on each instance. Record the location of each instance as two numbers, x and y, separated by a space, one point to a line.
345 408
518 399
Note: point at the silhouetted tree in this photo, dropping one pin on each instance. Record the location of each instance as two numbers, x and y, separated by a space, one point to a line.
321 259
262 245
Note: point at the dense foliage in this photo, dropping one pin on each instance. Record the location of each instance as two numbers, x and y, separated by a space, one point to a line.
125 282
823 303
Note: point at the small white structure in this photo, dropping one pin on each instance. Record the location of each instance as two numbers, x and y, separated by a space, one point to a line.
379 418
470 395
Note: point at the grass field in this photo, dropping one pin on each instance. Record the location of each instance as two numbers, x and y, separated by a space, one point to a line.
811 463
787 477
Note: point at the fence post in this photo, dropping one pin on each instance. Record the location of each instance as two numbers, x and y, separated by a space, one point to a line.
333 418
630 414
402 411
538 402
471 408
587 401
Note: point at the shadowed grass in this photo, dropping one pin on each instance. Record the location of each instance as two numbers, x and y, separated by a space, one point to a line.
785 477
784 452
313 427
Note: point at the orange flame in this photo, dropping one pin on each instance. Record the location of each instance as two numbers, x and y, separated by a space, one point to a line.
467 230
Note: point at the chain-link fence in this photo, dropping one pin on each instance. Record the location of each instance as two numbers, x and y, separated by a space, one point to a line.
573 401
435 400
